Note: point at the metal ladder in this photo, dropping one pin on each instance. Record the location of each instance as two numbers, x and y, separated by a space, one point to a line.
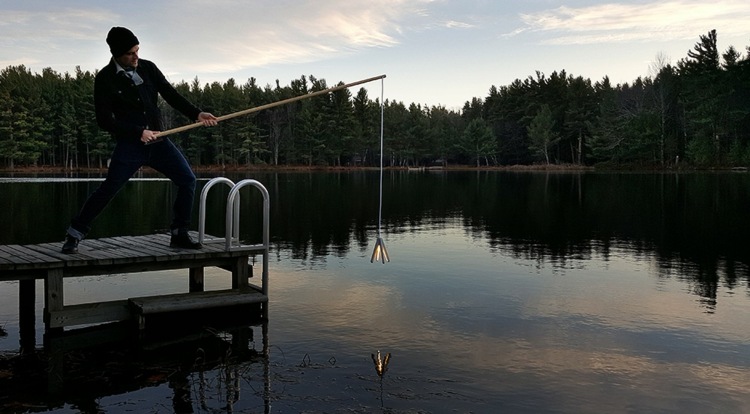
232 222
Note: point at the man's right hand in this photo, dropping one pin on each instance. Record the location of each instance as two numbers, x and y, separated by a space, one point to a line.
149 136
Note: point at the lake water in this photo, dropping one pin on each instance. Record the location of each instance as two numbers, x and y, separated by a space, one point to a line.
506 292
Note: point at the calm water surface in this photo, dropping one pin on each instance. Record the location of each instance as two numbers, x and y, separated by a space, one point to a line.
507 292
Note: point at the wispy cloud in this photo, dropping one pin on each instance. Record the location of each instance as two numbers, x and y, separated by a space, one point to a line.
215 36
452 24
621 22
271 32
49 37
53 26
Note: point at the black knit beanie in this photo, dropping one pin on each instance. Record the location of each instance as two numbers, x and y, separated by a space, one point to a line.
120 40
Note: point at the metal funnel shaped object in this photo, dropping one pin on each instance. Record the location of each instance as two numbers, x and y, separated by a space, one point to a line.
380 254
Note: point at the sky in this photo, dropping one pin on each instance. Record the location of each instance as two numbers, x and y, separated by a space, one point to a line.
433 52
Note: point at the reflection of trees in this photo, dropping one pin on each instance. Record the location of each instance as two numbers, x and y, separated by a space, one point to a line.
692 225
204 368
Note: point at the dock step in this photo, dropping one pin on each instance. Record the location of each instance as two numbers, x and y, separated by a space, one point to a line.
89 313
196 300
192 301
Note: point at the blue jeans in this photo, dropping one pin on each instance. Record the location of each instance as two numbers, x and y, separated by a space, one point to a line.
127 158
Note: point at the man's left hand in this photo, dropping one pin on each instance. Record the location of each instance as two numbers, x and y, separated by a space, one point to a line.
207 119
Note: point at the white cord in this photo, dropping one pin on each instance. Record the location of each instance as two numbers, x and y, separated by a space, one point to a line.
380 253
382 109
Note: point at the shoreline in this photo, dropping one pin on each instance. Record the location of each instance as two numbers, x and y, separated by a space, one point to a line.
320 168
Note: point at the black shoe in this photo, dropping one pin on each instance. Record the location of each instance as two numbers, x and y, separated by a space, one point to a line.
183 241
71 245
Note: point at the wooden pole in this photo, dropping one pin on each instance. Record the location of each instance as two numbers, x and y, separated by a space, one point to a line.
270 105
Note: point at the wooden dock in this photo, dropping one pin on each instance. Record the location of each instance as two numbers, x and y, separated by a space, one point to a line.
127 254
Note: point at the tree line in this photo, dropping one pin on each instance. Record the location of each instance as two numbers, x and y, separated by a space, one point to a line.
694 113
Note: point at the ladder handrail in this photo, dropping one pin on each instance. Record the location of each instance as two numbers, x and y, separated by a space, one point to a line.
202 209
232 222
232 228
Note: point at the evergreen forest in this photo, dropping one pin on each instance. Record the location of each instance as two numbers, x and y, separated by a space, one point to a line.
695 113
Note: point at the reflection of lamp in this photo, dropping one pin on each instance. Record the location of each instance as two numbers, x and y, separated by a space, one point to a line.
381 364
380 253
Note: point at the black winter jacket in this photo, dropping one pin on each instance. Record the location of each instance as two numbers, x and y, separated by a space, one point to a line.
125 110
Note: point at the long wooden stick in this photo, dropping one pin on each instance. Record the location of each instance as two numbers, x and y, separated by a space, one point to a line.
270 105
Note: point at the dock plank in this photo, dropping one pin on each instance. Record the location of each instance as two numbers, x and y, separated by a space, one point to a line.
11 257
84 257
119 253
99 248
128 246
113 249
159 251
22 258
28 254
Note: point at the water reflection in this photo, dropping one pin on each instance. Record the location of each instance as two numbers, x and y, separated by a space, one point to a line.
90 370
509 293
473 332
694 226
381 363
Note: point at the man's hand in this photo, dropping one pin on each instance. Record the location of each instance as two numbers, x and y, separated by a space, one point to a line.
148 136
207 119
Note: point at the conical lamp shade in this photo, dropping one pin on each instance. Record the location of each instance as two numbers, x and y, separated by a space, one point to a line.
380 253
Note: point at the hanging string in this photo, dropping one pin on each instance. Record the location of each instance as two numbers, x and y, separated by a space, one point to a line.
380 196
380 253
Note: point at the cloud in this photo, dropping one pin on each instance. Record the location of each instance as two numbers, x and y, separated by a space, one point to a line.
620 22
452 24
50 36
201 36
258 34
53 26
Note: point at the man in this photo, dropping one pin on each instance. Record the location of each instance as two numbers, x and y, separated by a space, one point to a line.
125 98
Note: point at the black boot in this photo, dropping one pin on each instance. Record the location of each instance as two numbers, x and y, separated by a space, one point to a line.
182 240
71 245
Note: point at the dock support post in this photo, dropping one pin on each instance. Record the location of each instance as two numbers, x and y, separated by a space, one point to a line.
197 279
53 295
27 314
240 273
